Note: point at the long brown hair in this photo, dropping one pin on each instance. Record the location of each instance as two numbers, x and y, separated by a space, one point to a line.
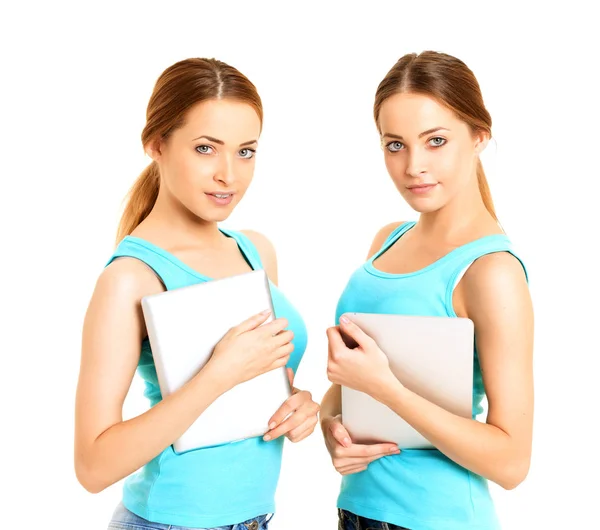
449 81
178 88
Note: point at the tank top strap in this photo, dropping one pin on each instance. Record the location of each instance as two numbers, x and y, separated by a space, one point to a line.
247 247
464 256
169 271
396 234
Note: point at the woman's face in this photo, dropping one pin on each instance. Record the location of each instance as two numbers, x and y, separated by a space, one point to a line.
430 154
208 164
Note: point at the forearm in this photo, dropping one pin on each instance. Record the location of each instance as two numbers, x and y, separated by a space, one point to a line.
479 447
126 446
331 404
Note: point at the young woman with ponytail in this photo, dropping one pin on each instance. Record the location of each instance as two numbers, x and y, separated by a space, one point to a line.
204 119
455 260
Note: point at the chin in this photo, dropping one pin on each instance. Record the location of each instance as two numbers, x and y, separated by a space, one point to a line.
210 215
424 206
216 217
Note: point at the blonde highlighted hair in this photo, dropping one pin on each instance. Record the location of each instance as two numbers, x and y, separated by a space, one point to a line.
178 88
449 81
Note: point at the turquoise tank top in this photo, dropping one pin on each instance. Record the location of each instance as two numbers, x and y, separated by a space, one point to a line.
215 486
420 489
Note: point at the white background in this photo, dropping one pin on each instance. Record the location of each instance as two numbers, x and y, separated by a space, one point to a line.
75 83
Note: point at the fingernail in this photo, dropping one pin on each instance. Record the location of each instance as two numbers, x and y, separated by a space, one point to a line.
394 450
272 425
265 312
344 320
347 442
266 438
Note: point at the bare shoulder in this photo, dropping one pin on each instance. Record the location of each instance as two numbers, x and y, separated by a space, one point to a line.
497 269
114 311
127 279
266 250
381 236
495 280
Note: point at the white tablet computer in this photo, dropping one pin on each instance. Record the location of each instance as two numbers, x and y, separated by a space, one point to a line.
184 325
432 356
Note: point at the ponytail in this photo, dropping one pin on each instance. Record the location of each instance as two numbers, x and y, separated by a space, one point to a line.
484 189
140 200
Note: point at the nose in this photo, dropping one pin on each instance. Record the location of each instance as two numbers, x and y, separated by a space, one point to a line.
416 164
225 172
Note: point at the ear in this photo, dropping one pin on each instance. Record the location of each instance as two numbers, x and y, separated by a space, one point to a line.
482 138
153 150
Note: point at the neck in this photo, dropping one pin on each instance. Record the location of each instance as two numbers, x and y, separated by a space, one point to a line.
457 217
171 221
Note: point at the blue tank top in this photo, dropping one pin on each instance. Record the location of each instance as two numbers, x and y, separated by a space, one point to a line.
419 489
215 486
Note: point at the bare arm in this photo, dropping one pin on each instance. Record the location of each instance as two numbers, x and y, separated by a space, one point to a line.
331 404
497 300
346 456
300 407
107 448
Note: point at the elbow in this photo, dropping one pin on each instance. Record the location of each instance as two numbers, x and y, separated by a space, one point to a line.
89 477
514 474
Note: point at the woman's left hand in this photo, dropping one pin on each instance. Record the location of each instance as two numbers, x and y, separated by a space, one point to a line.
364 368
296 418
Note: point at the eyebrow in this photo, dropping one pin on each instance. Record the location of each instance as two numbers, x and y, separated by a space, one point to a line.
424 133
221 142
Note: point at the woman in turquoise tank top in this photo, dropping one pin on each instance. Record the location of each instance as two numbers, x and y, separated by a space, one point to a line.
204 119
455 261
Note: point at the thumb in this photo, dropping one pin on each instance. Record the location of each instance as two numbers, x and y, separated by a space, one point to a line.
339 432
354 332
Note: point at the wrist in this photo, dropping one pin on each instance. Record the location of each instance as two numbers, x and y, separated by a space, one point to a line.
217 378
324 420
389 390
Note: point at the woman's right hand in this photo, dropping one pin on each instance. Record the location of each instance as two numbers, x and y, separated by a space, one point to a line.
348 457
249 349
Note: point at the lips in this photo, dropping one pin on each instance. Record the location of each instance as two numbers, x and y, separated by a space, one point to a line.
219 198
421 188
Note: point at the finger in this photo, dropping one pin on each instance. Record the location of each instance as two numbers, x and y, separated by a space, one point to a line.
291 415
302 431
280 360
290 374
377 457
280 356
274 327
352 470
353 464
339 432
283 351
334 338
290 405
340 463
284 337
351 329
367 451
286 426
250 323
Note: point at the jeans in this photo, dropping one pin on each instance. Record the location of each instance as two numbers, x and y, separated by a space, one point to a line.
350 521
123 519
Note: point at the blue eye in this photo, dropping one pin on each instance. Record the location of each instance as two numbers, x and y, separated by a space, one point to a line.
204 149
394 147
247 153
437 141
